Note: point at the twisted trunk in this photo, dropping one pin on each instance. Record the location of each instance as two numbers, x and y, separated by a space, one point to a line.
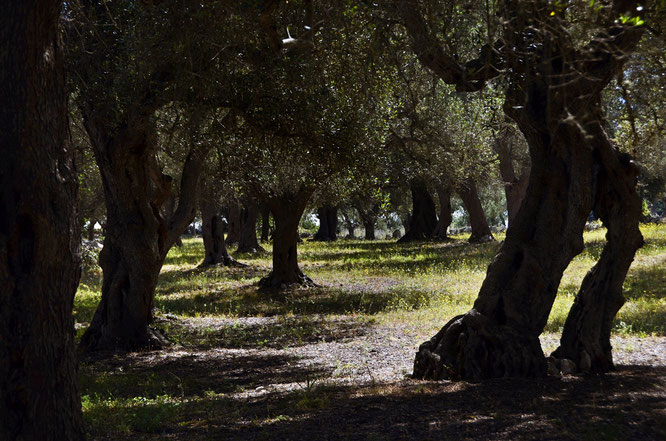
287 211
586 335
212 230
514 187
441 230
39 231
424 218
247 242
328 224
477 217
137 238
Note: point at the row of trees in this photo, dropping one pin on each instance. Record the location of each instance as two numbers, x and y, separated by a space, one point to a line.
272 106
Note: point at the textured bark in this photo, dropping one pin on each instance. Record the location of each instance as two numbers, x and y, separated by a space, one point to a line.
514 187
248 242
555 100
137 237
287 211
328 224
233 223
212 230
588 326
445 217
477 217
39 231
349 224
424 218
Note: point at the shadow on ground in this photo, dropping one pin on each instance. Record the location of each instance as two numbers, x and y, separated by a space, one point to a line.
628 404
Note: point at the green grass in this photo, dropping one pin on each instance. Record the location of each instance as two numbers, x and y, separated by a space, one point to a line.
423 283
418 285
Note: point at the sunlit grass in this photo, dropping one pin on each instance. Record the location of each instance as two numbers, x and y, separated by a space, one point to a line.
423 284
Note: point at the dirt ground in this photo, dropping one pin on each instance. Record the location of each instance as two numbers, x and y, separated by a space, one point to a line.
344 378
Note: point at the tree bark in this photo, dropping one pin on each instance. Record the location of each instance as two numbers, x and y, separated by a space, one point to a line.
554 95
287 211
212 230
137 237
328 224
247 242
441 230
514 187
233 223
586 335
424 218
39 231
368 214
477 217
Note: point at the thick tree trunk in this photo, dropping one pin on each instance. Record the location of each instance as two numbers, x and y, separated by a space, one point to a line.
247 242
368 214
586 335
369 228
134 245
170 213
328 224
441 230
233 223
349 223
499 336
287 211
137 238
265 223
477 217
514 187
39 231
212 230
424 218
554 95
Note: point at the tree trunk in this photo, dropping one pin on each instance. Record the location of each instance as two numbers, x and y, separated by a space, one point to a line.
514 187
441 230
265 223
287 211
234 223
328 224
424 218
586 335
39 231
349 222
477 217
554 95
212 230
137 238
369 228
248 229
170 213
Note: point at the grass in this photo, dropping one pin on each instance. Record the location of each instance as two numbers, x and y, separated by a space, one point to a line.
362 284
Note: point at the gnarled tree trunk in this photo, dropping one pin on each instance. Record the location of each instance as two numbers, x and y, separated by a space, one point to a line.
554 95
441 230
287 211
247 242
424 218
514 187
39 231
137 238
586 335
477 217
328 224
212 230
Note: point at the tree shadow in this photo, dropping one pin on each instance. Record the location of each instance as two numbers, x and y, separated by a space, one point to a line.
627 404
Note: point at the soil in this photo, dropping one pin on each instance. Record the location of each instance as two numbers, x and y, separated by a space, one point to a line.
346 378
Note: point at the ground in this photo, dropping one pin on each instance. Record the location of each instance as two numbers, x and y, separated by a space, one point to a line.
333 362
